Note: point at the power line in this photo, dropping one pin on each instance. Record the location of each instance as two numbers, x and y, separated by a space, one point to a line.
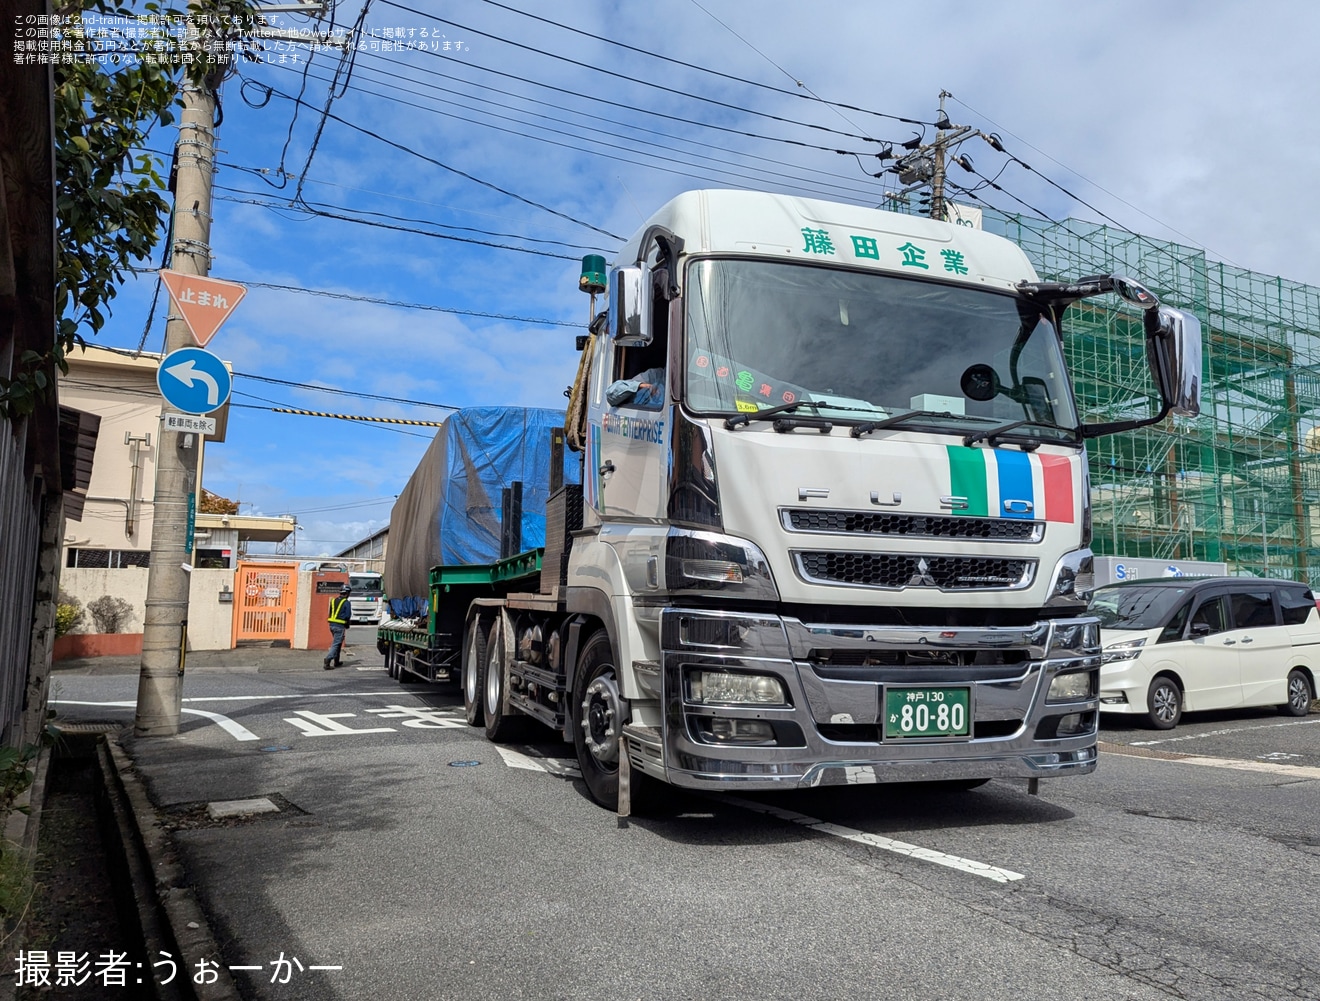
432 160
411 305
597 99
560 109
306 208
624 76
650 164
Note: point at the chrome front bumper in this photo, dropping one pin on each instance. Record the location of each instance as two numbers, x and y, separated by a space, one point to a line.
832 732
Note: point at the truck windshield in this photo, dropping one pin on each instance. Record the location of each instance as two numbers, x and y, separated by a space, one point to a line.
765 333
364 584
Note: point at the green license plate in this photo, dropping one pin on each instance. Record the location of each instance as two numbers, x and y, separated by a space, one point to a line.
928 712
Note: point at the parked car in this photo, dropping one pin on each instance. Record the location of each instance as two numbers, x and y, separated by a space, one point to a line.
1183 643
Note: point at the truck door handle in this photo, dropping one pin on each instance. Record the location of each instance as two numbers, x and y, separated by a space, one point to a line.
607 468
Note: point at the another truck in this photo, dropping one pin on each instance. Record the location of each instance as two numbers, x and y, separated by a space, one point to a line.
845 541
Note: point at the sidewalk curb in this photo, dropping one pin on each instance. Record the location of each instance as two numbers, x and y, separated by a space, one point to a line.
172 919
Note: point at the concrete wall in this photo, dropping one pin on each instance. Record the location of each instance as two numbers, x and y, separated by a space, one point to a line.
302 615
89 583
210 620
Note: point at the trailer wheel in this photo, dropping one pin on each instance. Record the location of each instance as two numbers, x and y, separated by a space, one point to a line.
474 669
500 726
599 712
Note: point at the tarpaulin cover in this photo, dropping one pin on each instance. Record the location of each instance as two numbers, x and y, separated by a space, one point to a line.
449 513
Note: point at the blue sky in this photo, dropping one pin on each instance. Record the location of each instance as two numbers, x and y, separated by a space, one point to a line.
1192 121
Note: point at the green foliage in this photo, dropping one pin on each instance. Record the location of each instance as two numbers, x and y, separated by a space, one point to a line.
110 613
68 614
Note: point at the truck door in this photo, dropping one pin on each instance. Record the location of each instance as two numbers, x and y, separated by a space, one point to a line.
631 437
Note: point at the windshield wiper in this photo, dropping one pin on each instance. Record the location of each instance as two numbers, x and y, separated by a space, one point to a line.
990 435
769 412
895 421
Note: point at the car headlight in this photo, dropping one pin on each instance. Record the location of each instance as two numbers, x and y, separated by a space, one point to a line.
697 562
1128 650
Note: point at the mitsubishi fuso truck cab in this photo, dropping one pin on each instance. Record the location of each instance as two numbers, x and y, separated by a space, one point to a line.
833 523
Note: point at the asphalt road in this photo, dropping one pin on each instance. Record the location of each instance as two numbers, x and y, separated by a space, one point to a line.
424 862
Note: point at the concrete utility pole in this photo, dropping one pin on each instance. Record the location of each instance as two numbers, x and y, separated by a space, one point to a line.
165 629
925 164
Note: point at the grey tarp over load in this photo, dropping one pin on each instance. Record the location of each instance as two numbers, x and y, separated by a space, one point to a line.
449 513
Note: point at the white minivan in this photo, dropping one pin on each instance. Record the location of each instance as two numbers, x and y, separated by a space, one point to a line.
1180 643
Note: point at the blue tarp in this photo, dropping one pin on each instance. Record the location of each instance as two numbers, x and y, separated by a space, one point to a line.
449 513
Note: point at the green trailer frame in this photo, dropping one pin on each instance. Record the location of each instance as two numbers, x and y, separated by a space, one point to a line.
433 653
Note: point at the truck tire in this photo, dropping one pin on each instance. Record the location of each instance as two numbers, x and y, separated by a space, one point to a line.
599 713
474 669
501 727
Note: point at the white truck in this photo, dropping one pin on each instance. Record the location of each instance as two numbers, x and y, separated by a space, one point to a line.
367 597
834 513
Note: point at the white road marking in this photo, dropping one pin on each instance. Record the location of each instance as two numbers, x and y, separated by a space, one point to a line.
324 725
1267 767
305 695
972 866
561 767
1220 733
236 730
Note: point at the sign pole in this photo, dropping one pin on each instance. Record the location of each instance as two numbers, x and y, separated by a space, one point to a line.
160 685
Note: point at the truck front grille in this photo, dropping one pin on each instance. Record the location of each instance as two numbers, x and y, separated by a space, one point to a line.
896 571
918 525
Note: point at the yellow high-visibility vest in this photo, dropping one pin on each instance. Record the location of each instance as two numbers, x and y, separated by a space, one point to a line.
337 613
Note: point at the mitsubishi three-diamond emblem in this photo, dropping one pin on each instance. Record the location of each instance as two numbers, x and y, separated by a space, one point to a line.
922 577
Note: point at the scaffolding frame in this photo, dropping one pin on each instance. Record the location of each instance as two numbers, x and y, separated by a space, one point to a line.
1241 483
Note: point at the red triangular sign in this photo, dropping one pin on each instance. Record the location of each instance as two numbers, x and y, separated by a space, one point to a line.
204 303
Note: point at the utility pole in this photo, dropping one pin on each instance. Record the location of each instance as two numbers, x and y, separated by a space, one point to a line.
165 625
937 172
924 163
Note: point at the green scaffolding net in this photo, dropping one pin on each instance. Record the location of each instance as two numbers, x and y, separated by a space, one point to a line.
1241 483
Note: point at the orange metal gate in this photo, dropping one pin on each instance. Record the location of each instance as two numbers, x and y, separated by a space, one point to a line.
266 595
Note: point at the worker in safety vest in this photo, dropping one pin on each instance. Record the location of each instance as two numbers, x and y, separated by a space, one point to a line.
341 612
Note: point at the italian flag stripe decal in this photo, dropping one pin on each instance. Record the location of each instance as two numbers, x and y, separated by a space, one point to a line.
967 479
1057 472
1008 483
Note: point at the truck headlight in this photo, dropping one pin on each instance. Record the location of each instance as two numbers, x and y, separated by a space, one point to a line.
1072 687
697 562
708 686
1073 580
1129 650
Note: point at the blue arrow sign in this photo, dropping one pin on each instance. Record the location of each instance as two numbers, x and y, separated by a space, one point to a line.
194 381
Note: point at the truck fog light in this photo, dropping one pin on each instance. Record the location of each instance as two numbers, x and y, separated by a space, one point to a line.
1074 724
706 686
1071 687
735 731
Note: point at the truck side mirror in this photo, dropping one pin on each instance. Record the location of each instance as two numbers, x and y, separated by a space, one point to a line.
1173 350
1173 346
630 307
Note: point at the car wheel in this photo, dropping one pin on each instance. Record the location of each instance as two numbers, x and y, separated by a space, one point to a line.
1299 694
474 670
1164 703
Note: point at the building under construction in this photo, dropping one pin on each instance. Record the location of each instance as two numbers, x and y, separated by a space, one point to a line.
1239 484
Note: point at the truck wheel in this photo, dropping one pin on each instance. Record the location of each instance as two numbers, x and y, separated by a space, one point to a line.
500 726
474 670
599 712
